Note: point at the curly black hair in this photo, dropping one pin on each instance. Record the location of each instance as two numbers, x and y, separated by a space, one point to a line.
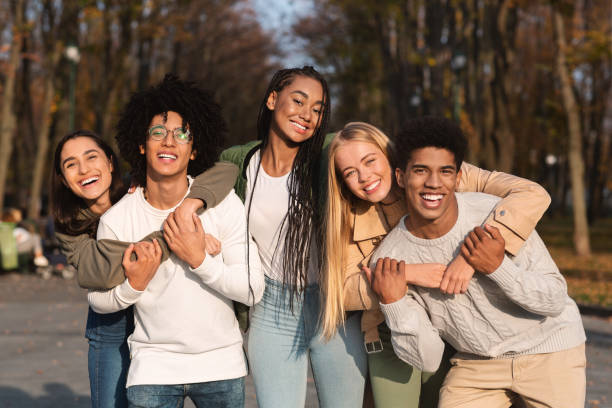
428 131
197 109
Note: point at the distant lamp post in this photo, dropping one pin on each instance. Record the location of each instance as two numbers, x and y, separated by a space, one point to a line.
458 62
74 56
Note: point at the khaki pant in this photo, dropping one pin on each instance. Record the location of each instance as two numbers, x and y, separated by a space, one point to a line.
541 380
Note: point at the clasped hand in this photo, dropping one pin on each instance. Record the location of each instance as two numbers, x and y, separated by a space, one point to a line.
140 270
484 249
188 240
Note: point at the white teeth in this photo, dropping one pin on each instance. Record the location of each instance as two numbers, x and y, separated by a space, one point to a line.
166 156
432 197
299 126
372 186
89 180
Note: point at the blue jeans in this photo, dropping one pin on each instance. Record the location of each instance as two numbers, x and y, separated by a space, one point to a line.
281 342
109 357
212 394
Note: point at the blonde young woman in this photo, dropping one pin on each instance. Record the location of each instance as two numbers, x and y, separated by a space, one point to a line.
363 206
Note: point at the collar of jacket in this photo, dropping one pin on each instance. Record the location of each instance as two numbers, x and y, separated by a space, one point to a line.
368 221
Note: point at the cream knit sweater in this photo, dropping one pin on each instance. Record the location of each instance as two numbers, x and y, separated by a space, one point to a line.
521 308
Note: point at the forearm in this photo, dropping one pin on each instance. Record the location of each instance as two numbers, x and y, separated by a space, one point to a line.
415 341
517 214
98 263
214 184
230 276
533 281
113 300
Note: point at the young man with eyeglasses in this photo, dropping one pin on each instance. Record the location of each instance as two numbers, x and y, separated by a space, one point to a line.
186 340
518 335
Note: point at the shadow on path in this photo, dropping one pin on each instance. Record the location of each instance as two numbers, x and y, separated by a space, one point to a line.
56 395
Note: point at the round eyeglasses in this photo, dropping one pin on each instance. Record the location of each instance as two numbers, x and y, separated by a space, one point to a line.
159 132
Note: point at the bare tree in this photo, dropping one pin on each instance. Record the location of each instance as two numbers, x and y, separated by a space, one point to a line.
7 120
576 162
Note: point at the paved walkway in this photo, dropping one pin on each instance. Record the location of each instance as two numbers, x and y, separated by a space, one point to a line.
43 355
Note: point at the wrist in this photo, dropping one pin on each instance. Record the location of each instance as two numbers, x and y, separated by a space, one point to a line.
192 204
197 261
385 300
493 267
137 284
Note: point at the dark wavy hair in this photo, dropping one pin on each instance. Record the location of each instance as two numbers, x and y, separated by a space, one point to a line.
429 131
303 218
197 109
67 206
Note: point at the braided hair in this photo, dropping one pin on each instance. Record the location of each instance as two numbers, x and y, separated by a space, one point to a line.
303 219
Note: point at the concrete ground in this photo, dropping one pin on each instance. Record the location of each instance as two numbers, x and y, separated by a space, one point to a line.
43 354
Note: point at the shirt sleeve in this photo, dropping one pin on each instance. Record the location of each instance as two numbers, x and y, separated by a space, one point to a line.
110 301
213 185
99 263
414 339
119 297
532 280
229 273
523 202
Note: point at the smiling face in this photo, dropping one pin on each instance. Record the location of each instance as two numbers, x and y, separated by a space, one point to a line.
365 170
430 180
296 109
87 171
167 158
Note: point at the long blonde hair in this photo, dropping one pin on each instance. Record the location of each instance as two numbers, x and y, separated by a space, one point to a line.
338 217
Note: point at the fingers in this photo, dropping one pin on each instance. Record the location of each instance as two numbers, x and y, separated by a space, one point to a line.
445 281
402 268
157 250
198 223
455 288
213 246
168 233
379 267
494 231
127 255
481 234
469 243
464 286
368 273
141 251
171 221
392 266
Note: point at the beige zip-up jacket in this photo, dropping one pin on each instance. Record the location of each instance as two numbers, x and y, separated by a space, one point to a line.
523 204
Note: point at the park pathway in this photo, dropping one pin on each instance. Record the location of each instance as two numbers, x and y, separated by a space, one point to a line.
43 355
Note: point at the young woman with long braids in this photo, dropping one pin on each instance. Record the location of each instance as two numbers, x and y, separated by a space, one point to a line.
281 184
363 206
85 182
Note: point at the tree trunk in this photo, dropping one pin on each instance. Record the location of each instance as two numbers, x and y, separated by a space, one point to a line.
576 161
7 120
43 135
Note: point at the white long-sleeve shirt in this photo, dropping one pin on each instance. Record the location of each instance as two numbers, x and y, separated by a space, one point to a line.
185 327
521 308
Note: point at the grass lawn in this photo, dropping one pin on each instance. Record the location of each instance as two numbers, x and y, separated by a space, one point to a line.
589 279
